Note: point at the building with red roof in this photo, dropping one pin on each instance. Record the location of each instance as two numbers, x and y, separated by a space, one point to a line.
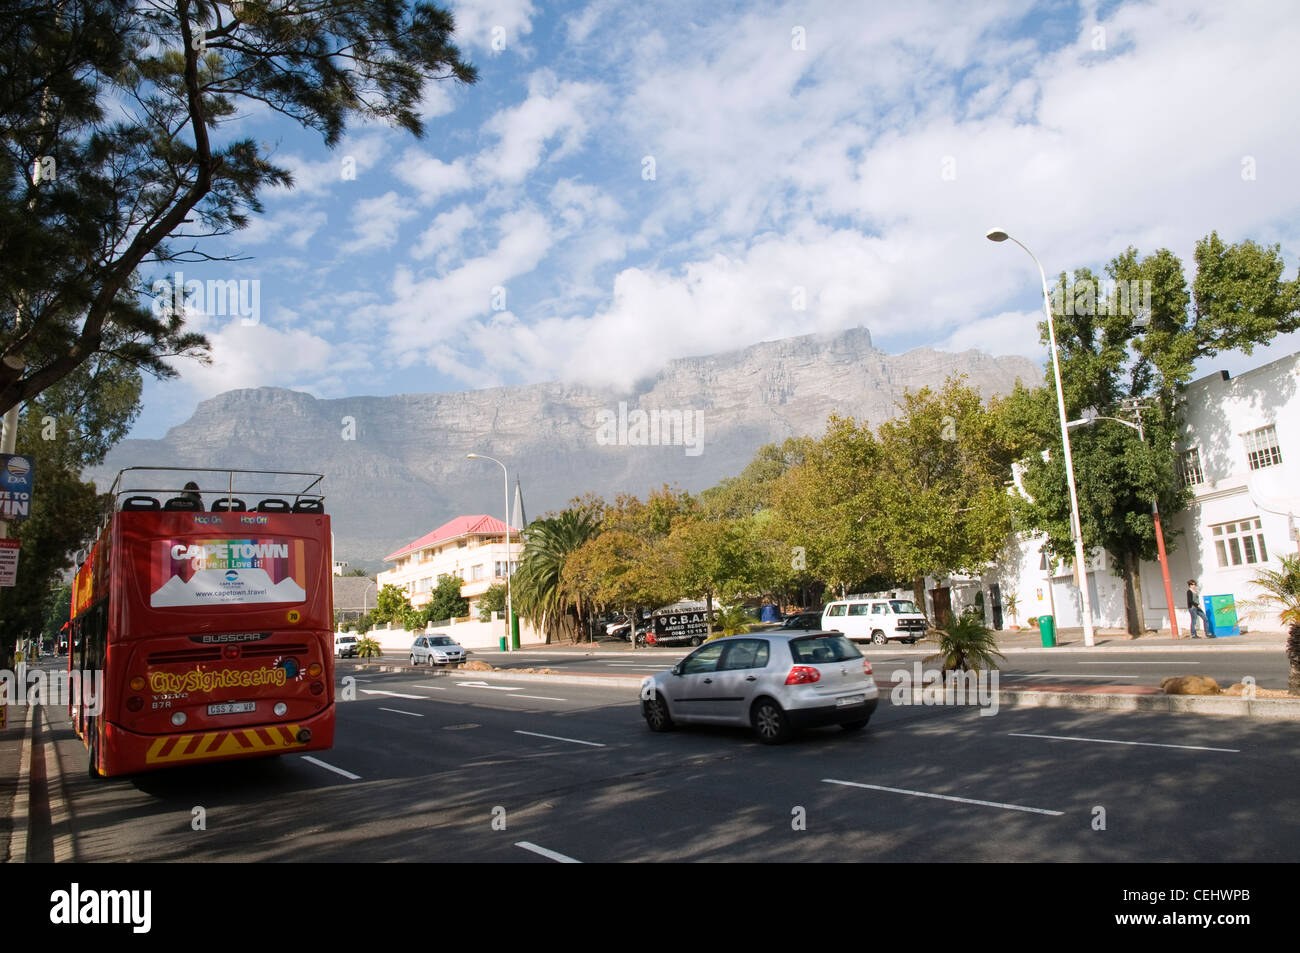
471 548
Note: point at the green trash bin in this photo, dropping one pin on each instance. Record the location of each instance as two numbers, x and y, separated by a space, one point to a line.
1047 628
502 643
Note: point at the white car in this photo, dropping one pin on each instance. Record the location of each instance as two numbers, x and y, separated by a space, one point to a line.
774 682
880 620
345 646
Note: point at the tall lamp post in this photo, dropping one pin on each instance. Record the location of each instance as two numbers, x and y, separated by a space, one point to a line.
510 612
1076 527
1136 406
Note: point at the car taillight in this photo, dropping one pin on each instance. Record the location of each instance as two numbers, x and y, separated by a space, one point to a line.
313 669
317 688
134 703
137 683
230 652
802 675
866 666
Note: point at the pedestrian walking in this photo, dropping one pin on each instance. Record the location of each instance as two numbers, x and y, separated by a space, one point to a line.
1195 611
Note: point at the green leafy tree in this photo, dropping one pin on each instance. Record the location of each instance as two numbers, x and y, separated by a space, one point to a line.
1110 362
67 427
114 153
445 602
493 600
938 485
822 506
709 557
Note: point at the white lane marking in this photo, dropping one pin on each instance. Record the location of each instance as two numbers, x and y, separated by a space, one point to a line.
543 698
398 711
548 854
947 797
377 691
494 688
575 741
1111 741
1138 663
356 679
329 767
432 688
1070 675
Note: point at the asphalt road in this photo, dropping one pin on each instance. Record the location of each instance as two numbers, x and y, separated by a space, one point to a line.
1018 670
431 768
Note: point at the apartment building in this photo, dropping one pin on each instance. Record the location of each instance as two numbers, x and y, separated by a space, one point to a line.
470 548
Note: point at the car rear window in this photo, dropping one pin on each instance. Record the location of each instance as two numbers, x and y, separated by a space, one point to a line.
816 649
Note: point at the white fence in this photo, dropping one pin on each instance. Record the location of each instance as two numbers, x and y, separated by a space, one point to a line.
468 632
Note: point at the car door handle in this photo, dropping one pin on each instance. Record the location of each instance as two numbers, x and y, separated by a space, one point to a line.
751 678
708 681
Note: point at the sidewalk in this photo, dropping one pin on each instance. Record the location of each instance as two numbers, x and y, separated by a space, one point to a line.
1024 640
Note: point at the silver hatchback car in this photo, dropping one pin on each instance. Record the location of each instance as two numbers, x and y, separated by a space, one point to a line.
775 682
436 649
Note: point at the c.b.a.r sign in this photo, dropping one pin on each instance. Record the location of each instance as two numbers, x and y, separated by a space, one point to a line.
15 486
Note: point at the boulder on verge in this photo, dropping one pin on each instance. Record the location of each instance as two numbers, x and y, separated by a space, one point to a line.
1190 685
477 666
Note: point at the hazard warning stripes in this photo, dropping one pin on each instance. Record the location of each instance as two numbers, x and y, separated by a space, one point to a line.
217 744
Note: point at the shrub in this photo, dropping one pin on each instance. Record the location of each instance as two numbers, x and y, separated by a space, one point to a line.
368 648
967 644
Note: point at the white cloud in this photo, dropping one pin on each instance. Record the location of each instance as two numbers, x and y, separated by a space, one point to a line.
444 232
376 222
258 355
477 19
427 311
553 109
311 178
432 177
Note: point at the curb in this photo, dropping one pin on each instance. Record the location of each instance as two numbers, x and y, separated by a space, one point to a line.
65 850
19 840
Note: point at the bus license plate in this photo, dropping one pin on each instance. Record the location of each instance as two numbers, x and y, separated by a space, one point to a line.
850 700
232 708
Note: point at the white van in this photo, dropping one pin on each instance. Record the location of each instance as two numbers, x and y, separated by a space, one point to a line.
880 620
345 645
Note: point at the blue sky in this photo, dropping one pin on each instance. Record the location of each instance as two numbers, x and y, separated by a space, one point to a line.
628 183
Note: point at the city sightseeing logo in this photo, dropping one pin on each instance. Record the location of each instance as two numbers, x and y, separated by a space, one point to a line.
167 683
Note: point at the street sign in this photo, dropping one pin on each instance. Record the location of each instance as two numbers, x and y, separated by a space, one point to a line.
9 561
15 487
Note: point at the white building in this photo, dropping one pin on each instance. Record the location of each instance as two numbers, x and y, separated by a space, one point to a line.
471 548
1240 453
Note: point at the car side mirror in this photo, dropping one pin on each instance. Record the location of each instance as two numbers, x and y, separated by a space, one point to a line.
677 669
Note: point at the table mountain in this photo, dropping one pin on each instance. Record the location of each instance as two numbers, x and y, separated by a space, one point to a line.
395 466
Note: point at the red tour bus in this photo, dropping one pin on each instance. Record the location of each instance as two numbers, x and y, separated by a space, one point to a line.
210 614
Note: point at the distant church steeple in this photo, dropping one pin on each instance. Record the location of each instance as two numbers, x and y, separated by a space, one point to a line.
518 519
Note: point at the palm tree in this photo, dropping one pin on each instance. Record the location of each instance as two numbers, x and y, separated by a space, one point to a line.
733 620
539 592
1281 594
967 644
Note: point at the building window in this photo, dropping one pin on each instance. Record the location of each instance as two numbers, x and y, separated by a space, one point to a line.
1239 542
1189 467
1261 447
500 569
478 572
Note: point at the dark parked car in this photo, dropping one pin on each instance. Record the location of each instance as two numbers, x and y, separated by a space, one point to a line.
803 621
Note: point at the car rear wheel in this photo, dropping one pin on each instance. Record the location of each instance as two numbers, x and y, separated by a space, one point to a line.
855 725
770 723
878 637
413 662
697 641
656 715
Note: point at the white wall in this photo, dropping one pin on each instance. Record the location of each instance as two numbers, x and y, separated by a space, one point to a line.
472 634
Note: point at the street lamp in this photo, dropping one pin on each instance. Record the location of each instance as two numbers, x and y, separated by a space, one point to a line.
509 603
1136 405
1076 527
